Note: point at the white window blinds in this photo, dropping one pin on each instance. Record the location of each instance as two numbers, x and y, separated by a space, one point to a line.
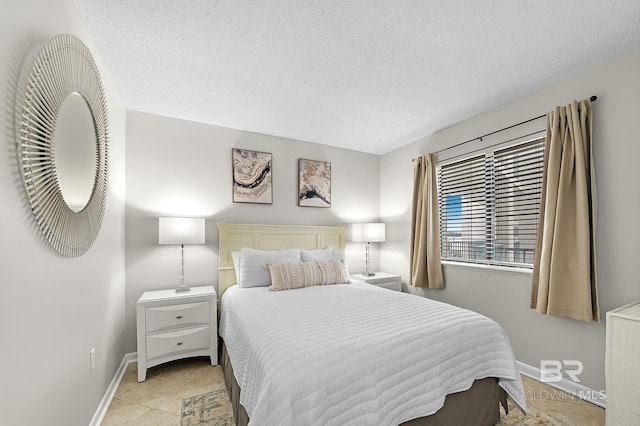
489 205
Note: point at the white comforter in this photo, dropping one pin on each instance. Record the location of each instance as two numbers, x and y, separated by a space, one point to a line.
356 354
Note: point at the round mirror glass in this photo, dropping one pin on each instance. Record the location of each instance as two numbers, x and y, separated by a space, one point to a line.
75 151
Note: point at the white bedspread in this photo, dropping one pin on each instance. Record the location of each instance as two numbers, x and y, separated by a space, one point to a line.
356 354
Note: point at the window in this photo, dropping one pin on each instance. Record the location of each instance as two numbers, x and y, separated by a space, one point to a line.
489 205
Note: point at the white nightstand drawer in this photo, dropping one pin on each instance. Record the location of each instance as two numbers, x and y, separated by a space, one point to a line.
390 285
175 342
177 316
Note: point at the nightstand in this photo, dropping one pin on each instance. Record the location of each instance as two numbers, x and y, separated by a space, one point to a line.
381 279
176 325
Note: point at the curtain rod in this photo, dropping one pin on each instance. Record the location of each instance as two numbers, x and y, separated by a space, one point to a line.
592 98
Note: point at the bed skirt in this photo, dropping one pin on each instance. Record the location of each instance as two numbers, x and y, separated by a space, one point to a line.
478 405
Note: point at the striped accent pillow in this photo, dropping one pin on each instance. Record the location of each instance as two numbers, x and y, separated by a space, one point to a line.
290 275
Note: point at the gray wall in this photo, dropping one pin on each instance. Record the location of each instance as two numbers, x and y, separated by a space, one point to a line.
53 310
182 168
504 296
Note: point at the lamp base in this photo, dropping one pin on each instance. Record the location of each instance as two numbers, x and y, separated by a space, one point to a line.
368 274
182 288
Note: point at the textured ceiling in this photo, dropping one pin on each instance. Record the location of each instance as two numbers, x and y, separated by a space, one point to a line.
364 75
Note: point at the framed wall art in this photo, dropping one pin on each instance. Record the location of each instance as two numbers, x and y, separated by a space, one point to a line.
252 176
314 183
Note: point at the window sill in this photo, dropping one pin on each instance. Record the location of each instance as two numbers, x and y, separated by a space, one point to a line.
488 267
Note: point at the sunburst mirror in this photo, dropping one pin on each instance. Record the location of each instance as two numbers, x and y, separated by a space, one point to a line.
62 135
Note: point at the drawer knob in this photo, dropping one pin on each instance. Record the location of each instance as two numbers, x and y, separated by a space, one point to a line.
179 343
179 317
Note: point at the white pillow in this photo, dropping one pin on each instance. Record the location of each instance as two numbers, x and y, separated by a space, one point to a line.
326 254
253 270
235 256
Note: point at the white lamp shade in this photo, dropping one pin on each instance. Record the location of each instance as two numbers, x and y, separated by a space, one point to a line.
180 230
368 233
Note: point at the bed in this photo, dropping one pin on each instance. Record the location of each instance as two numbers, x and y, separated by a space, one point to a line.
352 353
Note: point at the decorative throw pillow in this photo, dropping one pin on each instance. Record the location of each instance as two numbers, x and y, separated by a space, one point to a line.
290 275
254 273
324 254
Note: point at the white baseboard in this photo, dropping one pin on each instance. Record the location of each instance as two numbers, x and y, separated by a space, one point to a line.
576 389
101 411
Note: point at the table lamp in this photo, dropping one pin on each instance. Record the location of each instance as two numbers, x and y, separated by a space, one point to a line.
181 230
368 233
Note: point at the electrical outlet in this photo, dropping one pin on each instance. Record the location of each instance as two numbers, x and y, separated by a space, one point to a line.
92 359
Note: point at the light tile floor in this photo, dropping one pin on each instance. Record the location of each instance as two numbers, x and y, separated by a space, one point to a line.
564 409
158 400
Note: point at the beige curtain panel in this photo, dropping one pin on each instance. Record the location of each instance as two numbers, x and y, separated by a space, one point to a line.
564 270
425 267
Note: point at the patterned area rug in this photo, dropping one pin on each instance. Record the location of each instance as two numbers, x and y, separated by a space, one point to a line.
212 408
534 417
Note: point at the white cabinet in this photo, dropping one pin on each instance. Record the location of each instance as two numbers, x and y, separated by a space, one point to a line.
176 325
381 279
622 365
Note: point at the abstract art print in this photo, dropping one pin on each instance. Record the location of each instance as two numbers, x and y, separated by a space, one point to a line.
314 183
252 177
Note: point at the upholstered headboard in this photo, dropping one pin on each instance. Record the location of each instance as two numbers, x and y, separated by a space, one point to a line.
234 236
